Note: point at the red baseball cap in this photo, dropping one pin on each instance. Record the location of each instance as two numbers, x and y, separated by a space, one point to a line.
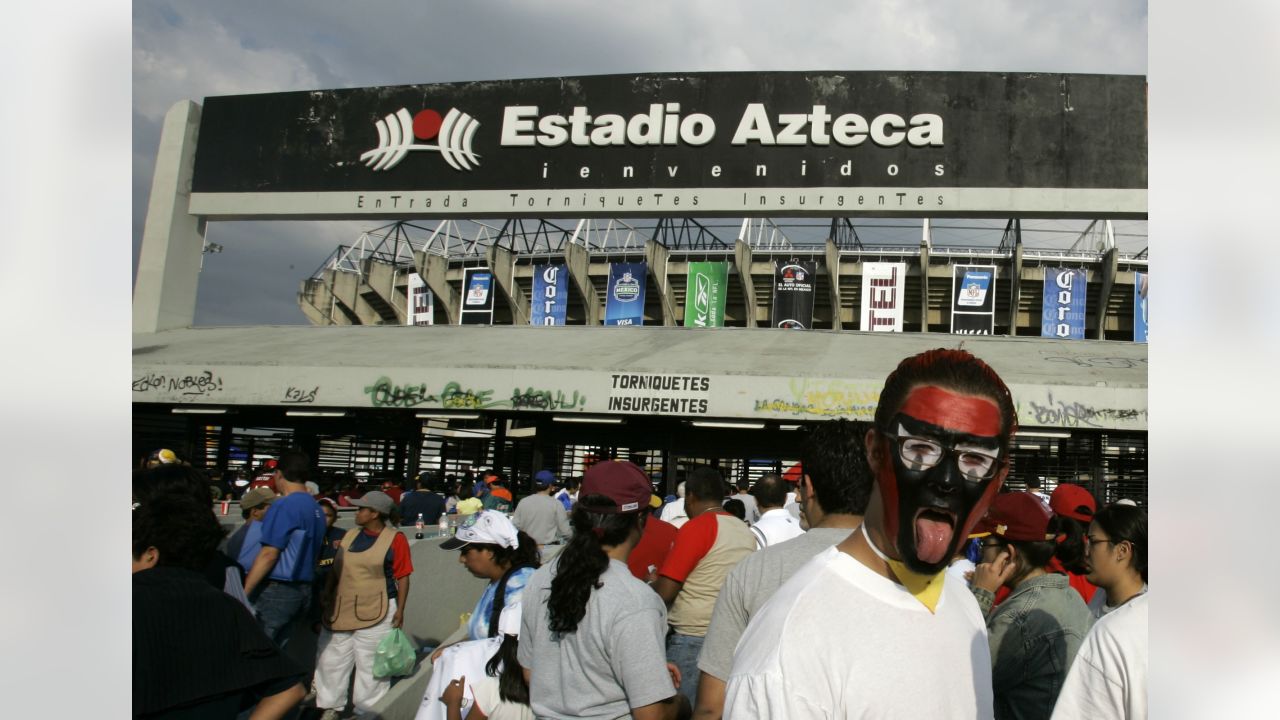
1073 501
794 474
620 481
1016 516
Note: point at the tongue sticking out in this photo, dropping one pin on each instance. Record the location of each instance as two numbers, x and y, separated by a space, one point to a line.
933 536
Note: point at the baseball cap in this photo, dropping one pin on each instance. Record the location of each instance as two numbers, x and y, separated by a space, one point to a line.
620 481
1016 516
163 456
544 477
377 500
1073 501
488 527
256 497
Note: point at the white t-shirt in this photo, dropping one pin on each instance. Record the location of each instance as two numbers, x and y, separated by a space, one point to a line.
775 526
1108 678
839 641
490 701
674 513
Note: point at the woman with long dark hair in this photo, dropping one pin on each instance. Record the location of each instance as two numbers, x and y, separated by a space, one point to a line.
491 548
1109 676
592 640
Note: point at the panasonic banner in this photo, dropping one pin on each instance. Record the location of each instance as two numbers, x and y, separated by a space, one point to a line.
705 294
973 299
477 297
1062 315
1140 280
624 300
421 302
883 294
550 295
793 294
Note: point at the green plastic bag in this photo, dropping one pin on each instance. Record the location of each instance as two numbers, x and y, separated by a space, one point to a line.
395 655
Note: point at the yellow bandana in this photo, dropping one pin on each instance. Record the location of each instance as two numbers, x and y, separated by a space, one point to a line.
925 588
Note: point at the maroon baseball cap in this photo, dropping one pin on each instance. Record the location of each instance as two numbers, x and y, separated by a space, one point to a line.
1074 502
620 481
1017 516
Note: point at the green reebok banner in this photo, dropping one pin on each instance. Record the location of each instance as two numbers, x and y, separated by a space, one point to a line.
704 295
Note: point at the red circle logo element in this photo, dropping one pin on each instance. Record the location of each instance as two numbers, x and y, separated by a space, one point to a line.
426 124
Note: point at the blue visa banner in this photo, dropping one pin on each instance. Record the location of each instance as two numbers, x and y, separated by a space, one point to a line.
624 301
550 295
1140 280
1062 314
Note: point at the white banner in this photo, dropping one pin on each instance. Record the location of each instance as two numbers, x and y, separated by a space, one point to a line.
883 296
421 310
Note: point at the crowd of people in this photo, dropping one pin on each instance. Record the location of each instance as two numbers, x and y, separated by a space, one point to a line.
888 574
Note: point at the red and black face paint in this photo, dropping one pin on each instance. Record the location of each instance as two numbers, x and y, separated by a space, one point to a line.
945 465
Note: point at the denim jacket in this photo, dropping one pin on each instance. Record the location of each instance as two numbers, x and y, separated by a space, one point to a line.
1034 635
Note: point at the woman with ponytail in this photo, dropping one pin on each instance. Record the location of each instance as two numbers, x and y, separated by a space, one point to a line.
491 548
1035 633
593 637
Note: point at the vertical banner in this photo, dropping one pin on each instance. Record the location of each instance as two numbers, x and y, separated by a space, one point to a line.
624 301
973 299
1062 314
1140 280
793 294
477 297
421 302
883 295
705 294
550 295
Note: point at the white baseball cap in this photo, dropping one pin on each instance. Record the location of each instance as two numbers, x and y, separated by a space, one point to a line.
488 527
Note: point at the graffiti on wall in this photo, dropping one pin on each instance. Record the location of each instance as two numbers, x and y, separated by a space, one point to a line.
296 395
1071 414
823 398
199 385
1091 361
384 393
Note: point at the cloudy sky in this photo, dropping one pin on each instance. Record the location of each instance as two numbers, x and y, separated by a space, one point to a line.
184 49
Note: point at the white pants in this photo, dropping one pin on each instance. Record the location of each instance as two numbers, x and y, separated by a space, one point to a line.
337 651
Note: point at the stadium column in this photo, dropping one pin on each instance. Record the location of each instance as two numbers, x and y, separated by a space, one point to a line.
1109 262
656 255
578 260
164 294
924 283
833 275
504 268
433 270
1015 283
742 258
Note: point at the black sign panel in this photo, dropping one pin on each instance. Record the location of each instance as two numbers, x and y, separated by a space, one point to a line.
793 282
551 146
973 299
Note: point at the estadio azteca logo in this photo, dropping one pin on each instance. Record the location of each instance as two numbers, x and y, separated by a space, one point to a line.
398 131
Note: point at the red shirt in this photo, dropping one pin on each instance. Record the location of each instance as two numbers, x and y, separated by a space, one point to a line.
394 493
655 543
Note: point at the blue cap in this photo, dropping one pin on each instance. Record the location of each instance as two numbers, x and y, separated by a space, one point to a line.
544 477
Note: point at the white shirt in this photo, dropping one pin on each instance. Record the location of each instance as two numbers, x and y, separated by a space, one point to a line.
792 505
1108 678
775 526
839 641
675 513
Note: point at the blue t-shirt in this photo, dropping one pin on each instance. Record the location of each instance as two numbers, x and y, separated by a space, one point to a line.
250 544
294 524
478 625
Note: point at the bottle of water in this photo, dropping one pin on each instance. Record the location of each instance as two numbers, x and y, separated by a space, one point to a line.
444 524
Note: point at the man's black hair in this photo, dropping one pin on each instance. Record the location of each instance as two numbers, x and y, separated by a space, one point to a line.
706 484
183 531
770 491
834 457
295 466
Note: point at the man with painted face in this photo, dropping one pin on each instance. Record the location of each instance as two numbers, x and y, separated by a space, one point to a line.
873 627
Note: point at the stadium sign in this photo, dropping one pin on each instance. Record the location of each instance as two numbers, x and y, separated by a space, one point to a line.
799 143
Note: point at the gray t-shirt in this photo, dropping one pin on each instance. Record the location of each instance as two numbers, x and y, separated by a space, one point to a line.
616 659
749 586
542 517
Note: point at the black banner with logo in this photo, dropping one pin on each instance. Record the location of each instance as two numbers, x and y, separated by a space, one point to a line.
477 297
497 146
793 294
973 299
